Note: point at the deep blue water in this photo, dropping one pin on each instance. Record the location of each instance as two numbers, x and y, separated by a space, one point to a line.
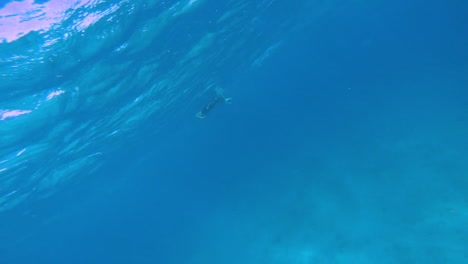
347 139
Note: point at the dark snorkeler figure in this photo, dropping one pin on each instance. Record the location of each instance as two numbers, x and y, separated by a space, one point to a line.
220 98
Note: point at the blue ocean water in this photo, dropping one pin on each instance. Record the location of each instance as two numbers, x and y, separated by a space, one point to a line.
346 142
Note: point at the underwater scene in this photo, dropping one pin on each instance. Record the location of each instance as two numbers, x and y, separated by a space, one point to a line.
233 131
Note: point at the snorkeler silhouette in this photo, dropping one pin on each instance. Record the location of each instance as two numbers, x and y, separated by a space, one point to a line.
220 98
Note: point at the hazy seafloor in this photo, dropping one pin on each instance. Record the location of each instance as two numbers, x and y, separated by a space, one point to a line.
347 139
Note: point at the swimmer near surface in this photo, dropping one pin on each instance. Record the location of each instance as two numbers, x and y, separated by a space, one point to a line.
220 98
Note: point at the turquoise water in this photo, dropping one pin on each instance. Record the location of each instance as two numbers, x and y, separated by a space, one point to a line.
347 139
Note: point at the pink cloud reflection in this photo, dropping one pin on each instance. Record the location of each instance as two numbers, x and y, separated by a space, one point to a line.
17 19
4 114
54 94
